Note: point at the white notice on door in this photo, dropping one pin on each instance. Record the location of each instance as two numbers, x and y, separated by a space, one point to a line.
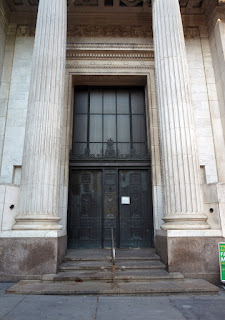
125 200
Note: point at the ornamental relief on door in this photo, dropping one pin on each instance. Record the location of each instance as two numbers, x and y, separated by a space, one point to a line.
110 204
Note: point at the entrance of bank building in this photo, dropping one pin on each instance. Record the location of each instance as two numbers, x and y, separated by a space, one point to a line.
110 177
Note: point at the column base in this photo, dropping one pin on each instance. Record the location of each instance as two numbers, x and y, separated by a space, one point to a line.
193 253
37 222
30 257
185 222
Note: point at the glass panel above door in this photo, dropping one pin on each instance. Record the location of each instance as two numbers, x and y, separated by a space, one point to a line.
111 122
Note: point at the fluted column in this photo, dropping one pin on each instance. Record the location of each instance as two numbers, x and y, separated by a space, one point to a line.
39 193
179 157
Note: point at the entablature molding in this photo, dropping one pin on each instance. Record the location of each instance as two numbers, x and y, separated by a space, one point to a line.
141 55
90 31
76 46
101 65
111 31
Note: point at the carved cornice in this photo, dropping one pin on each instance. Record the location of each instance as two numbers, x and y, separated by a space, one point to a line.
110 31
191 33
25 31
128 66
109 46
116 31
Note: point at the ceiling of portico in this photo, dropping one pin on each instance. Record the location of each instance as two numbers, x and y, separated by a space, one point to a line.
113 12
187 6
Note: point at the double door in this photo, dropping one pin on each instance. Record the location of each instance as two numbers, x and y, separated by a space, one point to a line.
105 198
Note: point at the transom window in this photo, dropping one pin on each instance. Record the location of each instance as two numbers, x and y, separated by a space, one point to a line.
109 123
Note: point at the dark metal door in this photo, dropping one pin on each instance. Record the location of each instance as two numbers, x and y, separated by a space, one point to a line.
135 209
85 209
96 204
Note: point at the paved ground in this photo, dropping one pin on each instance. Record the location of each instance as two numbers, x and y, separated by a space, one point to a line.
17 307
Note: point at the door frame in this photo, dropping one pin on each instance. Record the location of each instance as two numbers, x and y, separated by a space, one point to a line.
141 73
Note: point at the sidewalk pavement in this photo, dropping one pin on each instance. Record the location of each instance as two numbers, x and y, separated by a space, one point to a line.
18 307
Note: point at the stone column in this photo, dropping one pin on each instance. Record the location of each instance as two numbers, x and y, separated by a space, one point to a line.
39 193
179 156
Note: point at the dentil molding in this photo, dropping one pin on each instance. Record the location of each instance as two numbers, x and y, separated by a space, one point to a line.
109 55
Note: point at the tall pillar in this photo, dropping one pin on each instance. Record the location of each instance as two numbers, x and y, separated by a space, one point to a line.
179 157
39 192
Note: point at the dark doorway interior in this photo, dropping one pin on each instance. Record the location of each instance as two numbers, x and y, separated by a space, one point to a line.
110 180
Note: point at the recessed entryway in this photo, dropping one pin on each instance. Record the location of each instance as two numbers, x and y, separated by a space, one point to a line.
110 177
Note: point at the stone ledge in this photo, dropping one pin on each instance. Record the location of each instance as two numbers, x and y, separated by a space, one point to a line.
189 233
156 287
33 234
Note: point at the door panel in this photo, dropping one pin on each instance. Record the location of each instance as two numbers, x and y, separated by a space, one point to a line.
136 225
95 207
85 209
110 204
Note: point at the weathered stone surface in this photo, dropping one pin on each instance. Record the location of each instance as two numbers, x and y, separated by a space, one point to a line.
38 307
97 265
29 256
195 257
155 287
106 275
115 307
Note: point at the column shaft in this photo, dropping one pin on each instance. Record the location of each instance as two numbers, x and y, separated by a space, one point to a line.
182 193
39 194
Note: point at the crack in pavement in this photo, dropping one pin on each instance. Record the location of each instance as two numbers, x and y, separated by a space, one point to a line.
96 310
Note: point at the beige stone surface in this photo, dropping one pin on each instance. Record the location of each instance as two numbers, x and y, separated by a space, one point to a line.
216 25
5 86
2 46
16 112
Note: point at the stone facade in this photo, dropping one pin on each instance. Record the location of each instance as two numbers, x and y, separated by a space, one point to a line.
183 72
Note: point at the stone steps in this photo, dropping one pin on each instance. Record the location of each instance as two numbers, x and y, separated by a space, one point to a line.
106 265
138 272
127 275
154 287
105 255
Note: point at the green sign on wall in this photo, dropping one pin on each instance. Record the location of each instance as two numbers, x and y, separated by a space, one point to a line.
222 261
